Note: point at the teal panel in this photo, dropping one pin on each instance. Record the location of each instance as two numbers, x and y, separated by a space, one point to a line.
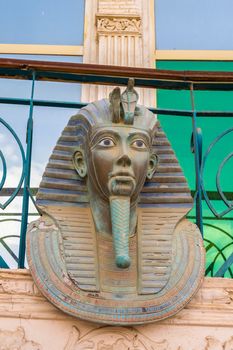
3 264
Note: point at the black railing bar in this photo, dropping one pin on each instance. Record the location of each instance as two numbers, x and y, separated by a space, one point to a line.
146 82
214 195
210 218
41 103
183 113
7 191
18 214
8 249
112 75
31 195
78 105
226 265
197 150
189 216
108 79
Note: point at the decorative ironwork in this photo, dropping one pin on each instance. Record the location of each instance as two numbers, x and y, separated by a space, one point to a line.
218 185
31 70
6 246
4 171
201 191
220 253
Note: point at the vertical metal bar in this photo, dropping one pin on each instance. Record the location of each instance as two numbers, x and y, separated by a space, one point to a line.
197 157
25 204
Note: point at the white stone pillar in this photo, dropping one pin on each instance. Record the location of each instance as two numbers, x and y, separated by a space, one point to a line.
119 33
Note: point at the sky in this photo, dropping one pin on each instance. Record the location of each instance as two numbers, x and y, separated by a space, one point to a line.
54 22
194 24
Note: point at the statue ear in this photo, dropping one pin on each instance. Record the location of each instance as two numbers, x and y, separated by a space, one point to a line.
153 162
80 162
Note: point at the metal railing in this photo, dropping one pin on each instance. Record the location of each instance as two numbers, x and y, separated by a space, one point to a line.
111 75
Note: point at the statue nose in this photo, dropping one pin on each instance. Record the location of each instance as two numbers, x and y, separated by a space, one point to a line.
124 161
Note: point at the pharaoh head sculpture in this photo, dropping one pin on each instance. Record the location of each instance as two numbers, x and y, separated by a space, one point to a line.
115 156
113 241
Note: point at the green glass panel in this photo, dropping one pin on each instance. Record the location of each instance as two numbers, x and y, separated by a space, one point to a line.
218 233
219 244
179 129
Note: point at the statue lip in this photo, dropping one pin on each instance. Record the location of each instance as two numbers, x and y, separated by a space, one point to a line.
122 175
122 183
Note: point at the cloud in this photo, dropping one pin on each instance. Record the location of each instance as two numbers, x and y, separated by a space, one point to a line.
13 227
10 149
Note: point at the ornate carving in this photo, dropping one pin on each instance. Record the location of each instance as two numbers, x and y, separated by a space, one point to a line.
230 295
214 344
214 296
113 245
118 24
117 338
109 338
18 286
228 345
15 340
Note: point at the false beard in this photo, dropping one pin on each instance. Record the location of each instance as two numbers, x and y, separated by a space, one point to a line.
120 218
121 188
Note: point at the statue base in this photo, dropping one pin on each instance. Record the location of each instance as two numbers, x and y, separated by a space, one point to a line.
29 321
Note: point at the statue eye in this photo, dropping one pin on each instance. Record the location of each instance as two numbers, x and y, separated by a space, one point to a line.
139 144
106 142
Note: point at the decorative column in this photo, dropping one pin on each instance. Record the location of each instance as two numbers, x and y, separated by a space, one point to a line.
119 33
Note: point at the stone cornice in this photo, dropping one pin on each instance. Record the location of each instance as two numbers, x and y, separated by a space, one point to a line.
212 305
118 24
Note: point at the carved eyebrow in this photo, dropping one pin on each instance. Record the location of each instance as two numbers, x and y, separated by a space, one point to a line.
105 132
140 134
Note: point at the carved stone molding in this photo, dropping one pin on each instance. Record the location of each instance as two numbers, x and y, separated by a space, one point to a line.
114 24
16 340
119 6
214 344
118 338
27 319
109 338
212 305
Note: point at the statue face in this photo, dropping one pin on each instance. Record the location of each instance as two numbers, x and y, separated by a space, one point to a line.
117 161
120 158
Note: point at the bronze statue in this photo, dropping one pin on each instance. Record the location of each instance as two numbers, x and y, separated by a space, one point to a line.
112 245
